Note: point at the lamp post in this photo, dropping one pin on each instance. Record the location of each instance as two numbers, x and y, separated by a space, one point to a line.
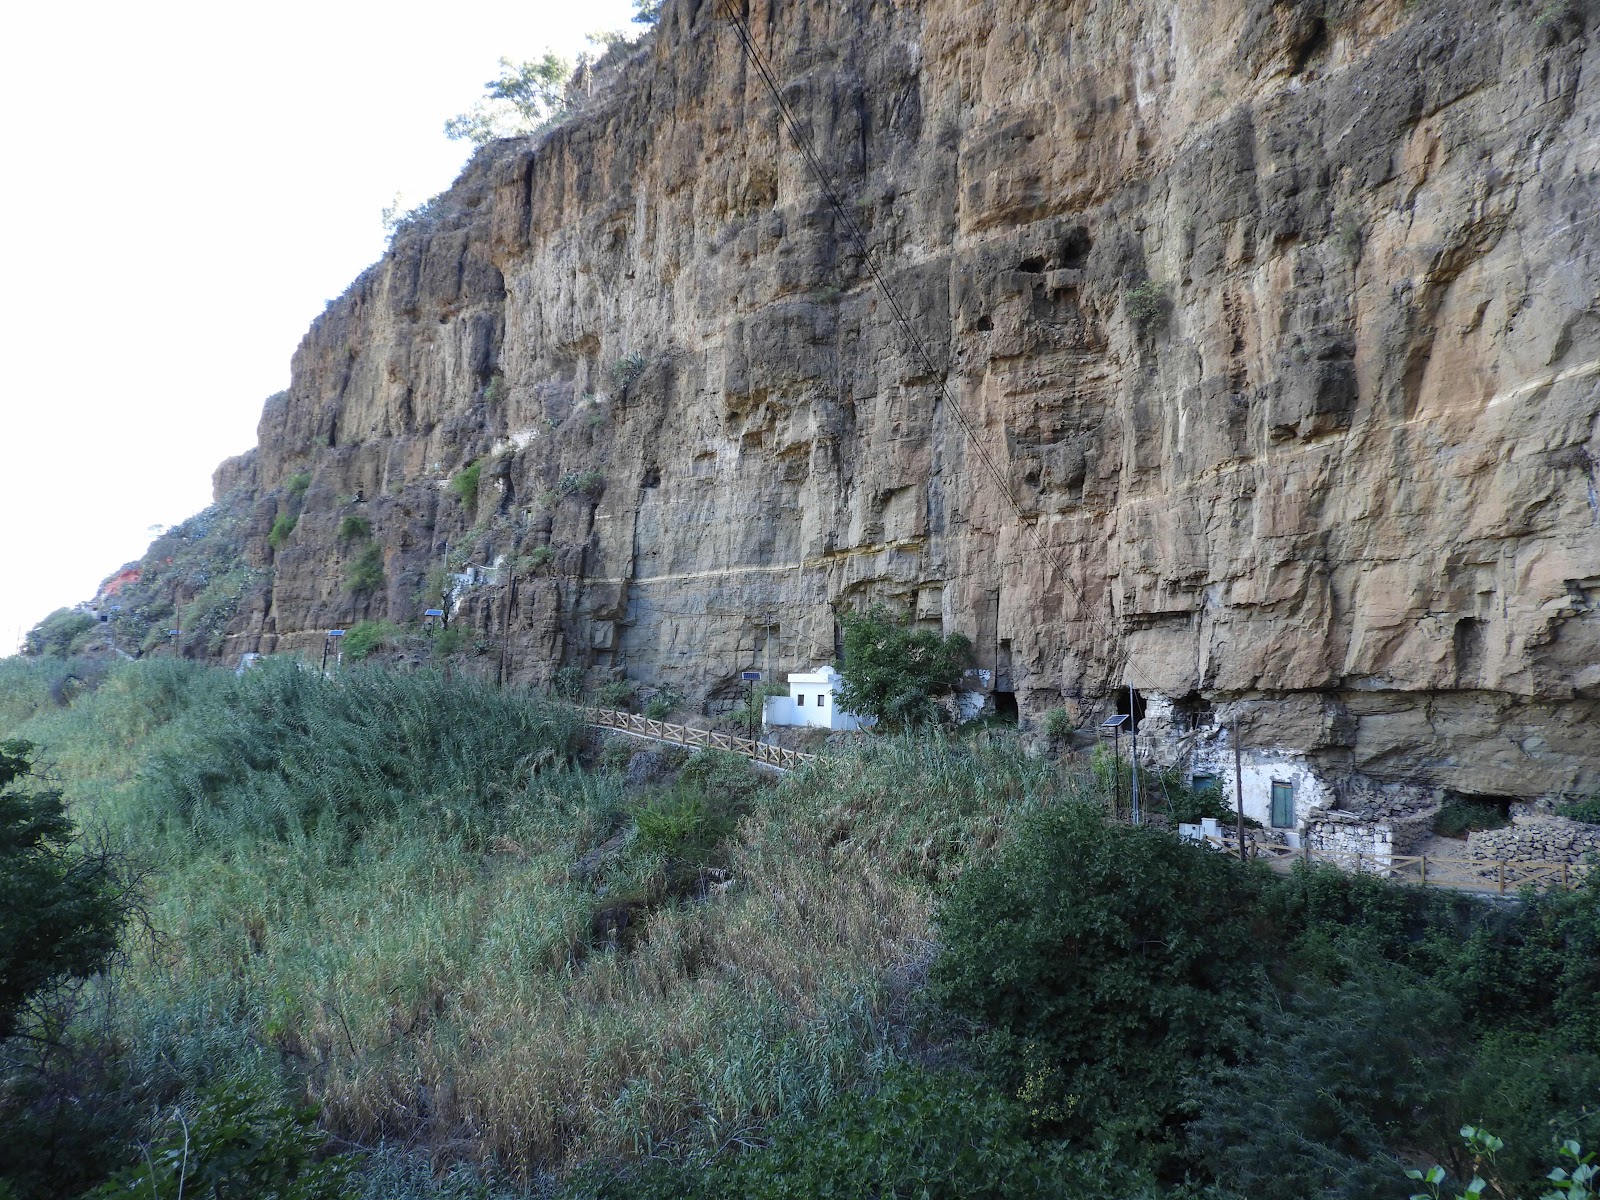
751 678
327 642
1115 722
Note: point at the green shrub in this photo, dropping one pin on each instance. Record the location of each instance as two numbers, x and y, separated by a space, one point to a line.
365 574
537 558
587 483
1148 305
662 704
55 634
494 390
61 906
616 694
567 682
892 671
235 1142
1587 811
298 483
1057 725
355 529
448 641
626 370
1107 959
1458 818
281 529
465 485
362 638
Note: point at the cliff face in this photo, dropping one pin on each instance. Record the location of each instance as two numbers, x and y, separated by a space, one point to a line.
1278 321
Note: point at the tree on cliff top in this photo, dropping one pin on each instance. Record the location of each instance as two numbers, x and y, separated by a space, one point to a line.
526 98
892 672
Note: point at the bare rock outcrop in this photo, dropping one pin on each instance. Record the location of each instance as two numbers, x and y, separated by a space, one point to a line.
1253 359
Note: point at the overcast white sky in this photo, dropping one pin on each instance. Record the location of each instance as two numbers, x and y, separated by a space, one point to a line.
185 185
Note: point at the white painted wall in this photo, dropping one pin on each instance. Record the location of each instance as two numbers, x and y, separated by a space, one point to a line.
1213 755
812 702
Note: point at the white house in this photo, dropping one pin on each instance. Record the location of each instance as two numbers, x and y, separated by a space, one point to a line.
811 702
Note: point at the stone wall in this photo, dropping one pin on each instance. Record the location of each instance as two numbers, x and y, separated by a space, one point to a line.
1551 839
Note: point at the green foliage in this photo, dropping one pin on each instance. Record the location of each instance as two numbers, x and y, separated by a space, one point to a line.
234 1143
587 483
892 671
465 485
449 641
278 537
60 906
55 634
537 558
1458 818
364 637
286 754
355 529
494 390
1148 305
616 694
365 573
1057 725
662 704
567 682
628 369
525 98
646 12
1587 811
297 484
1106 957
206 618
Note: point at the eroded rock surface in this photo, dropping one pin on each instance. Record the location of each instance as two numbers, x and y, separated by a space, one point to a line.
1277 322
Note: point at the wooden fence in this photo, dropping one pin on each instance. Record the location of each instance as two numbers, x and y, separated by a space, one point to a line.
687 735
1462 874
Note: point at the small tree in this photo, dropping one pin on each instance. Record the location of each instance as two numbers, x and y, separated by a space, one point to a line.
526 98
60 908
892 671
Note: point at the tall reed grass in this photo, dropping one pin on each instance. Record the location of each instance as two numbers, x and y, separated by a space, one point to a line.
370 888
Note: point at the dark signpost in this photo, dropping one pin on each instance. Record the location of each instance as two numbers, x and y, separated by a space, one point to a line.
1115 722
752 678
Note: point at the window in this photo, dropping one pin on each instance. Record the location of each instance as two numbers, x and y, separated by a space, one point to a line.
1204 781
822 700
1282 804
800 700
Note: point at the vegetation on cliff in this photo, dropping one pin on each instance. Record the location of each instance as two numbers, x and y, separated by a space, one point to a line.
494 955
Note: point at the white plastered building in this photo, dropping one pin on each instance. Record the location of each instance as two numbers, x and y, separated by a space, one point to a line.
812 701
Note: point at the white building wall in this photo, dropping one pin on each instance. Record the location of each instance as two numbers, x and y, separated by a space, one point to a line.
1213 755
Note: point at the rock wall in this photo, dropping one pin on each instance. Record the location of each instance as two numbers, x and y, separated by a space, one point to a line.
1537 839
1274 325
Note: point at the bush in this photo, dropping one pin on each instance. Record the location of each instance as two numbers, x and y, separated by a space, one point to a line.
587 483
567 682
1057 725
465 485
355 529
297 484
55 634
365 574
892 672
537 558
1148 305
362 638
448 641
234 1142
1107 960
616 694
662 704
281 529
60 907
1587 811
1461 817
626 370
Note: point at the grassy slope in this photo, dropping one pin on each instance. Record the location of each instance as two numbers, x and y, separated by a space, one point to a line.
390 916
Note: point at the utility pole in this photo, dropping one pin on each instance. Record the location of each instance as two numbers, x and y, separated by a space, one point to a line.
1133 753
1238 786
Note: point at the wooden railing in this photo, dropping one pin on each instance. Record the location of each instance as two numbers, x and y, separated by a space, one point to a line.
687 735
1462 874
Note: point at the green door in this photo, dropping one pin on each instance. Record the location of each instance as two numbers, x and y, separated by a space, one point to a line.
1282 805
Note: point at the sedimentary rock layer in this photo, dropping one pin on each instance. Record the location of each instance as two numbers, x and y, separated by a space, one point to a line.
1275 323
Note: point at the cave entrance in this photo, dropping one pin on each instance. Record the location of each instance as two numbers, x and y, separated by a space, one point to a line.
1130 703
1005 707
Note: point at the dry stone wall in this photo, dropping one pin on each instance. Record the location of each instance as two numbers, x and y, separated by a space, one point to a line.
1276 321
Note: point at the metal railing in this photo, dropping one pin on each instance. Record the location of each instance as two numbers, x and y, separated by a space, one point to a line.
1462 874
686 735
